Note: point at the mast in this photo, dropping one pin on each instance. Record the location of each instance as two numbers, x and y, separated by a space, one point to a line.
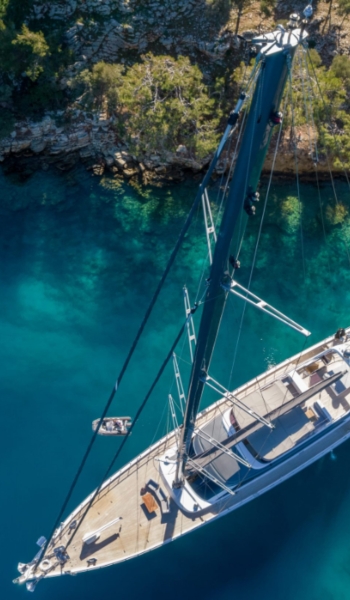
275 58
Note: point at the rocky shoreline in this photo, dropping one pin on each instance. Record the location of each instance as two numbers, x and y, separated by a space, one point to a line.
121 30
92 141
116 31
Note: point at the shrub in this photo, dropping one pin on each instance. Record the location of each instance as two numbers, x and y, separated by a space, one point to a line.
341 68
99 85
22 53
160 103
336 214
267 6
164 103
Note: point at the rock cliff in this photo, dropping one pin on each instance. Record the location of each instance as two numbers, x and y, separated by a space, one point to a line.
119 31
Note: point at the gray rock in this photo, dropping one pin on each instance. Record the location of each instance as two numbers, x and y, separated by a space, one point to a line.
86 152
119 160
130 172
181 150
20 145
37 145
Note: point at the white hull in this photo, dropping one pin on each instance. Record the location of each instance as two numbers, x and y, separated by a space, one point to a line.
121 501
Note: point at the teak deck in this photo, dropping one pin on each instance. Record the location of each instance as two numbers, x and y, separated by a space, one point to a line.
142 525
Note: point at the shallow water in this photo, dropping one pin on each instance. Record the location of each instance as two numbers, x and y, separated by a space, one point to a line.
79 260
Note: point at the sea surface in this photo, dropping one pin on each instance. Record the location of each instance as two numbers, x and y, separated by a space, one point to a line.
80 257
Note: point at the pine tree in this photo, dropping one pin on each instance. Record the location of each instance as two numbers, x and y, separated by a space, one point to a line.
164 103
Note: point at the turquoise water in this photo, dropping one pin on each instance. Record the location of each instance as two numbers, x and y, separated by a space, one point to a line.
79 260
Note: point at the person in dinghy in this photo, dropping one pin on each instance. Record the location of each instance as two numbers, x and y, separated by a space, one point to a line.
116 425
112 425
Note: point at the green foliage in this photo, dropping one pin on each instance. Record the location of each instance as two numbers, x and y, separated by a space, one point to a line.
330 93
161 103
3 8
344 7
267 7
315 90
341 68
240 76
335 138
29 50
289 214
240 4
332 110
322 96
28 59
164 103
100 85
236 81
315 58
23 52
336 214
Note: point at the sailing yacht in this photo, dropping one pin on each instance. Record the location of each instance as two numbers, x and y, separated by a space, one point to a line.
252 438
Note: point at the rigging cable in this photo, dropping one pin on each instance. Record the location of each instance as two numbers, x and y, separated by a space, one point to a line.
245 476
171 260
284 398
327 156
135 342
324 105
259 101
139 411
148 312
250 86
296 164
255 253
243 219
253 83
257 244
310 118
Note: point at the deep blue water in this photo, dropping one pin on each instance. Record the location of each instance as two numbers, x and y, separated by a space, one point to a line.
79 259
